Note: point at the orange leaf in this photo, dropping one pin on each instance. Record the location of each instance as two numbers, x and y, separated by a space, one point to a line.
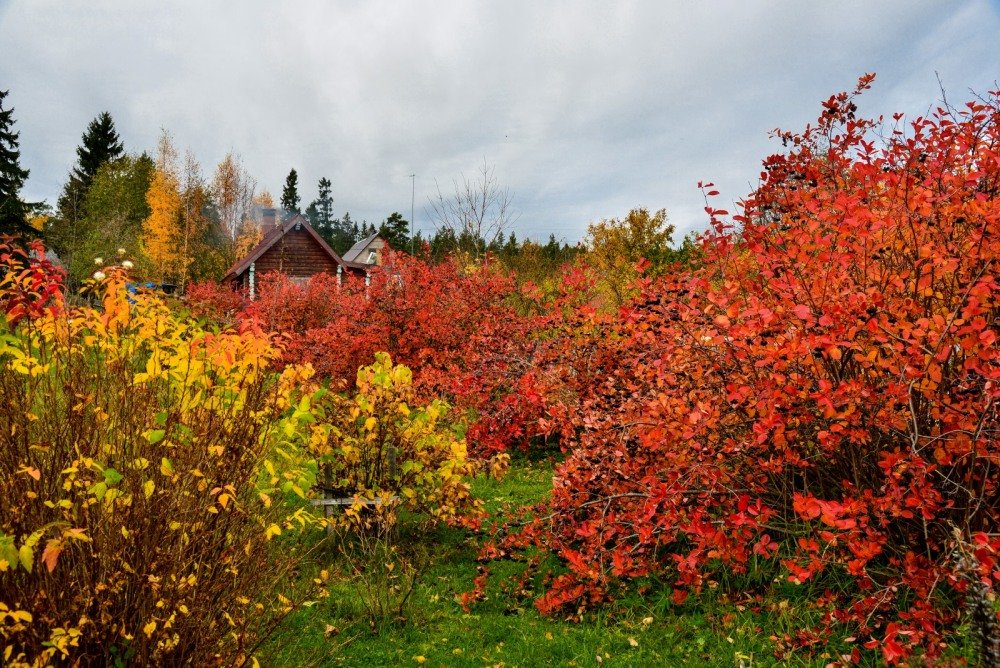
50 555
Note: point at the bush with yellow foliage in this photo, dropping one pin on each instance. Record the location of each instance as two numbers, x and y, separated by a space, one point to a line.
146 466
377 444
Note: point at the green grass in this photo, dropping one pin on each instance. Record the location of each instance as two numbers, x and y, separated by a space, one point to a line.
639 629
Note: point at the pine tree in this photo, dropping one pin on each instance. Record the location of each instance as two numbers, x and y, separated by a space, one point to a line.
290 195
116 208
12 176
395 230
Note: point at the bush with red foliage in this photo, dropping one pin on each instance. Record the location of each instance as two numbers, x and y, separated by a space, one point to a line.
820 398
34 285
215 302
453 326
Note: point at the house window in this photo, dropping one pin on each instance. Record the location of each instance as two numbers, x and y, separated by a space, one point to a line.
371 257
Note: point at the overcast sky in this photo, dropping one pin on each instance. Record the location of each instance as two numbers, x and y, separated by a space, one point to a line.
586 109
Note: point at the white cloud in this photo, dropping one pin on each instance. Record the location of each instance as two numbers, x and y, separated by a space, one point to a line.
586 109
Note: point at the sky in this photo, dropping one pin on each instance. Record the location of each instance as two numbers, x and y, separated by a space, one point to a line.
584 110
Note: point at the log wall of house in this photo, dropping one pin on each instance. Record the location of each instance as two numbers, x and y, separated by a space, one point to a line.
297 255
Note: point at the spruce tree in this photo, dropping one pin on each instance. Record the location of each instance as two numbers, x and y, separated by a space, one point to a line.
324 203
12 176
320 210
312 215
290 195
101 144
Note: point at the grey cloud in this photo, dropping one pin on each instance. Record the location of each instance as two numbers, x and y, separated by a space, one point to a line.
586 109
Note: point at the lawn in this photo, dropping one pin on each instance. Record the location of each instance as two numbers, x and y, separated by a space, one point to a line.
639 629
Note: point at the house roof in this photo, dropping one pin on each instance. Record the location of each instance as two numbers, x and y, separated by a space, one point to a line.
275 234
355 252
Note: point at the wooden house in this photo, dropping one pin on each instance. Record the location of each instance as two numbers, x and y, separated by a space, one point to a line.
293 248
368 251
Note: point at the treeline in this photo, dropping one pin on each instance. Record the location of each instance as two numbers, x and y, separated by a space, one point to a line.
179 223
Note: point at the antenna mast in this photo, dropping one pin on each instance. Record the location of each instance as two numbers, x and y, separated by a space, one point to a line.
413 192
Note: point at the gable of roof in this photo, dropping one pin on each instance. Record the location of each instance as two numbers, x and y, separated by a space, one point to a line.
357 249
274 235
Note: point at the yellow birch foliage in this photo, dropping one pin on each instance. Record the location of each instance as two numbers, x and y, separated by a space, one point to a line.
161 231
264 199
249 236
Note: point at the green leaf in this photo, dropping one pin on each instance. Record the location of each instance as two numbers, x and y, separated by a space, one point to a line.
112 477
155 435
8 552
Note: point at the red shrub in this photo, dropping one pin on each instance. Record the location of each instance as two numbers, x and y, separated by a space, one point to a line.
215 302
31 284
455 329
821 395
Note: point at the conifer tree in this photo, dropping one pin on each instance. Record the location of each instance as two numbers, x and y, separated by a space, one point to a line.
100 144
290 195
324 203
396 231
12 176
116 208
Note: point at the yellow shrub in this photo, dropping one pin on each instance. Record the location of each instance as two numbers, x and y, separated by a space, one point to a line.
144 463
377 444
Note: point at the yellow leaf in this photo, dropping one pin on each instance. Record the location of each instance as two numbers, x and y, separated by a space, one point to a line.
27 557
148 487
148 629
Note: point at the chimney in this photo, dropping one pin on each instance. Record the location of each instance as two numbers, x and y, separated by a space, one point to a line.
267 218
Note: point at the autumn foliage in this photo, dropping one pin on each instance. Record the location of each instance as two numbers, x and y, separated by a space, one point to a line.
818 401
814 405
454 326
379 444
146 465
